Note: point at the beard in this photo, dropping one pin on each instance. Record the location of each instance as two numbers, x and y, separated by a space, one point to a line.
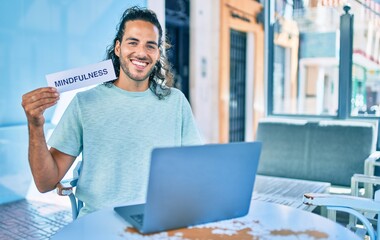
135 77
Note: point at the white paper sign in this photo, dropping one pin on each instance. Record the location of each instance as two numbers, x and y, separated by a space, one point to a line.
82 77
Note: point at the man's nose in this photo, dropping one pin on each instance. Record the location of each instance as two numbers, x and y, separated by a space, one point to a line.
141 51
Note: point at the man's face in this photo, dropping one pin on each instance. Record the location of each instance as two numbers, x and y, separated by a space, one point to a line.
138 51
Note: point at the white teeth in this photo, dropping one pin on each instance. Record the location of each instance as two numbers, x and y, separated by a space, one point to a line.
139 63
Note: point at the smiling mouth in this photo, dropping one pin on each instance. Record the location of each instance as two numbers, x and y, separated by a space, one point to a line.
139 64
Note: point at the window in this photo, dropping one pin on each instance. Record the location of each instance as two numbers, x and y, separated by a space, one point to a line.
305 59
306 47
365 101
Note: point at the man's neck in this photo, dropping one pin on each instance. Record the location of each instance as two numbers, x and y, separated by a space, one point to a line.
131 85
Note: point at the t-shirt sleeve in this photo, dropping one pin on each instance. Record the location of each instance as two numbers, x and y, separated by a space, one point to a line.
67 135
190 132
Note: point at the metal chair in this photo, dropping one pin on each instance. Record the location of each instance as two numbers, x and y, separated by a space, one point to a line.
369 169
358 205
67 188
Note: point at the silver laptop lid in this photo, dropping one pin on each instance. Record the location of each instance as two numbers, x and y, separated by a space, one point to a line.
199 184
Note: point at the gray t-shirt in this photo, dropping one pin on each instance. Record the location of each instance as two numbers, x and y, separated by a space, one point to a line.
115 130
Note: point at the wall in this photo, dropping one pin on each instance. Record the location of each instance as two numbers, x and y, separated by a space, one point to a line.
38 37
204 66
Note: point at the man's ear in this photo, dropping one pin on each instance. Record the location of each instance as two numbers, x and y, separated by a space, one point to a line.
117 48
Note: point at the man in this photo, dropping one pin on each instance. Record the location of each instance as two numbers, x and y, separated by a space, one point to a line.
114 125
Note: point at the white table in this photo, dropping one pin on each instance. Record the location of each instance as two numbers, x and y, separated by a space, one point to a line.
264 221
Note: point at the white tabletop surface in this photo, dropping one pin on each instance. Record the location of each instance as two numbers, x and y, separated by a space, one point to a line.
264 221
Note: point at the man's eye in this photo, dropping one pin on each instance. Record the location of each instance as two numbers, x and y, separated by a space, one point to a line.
132 43
151 47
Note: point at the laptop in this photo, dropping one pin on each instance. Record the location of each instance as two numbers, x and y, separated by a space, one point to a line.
194 185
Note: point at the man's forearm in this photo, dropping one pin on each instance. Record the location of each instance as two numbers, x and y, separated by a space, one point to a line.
42 163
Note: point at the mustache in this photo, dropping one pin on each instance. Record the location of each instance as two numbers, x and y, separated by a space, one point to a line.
142 59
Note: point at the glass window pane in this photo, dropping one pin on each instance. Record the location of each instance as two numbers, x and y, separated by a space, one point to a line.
306 58
365 99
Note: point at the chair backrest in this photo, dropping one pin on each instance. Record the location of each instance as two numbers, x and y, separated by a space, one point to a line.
67 188
327 150
377 196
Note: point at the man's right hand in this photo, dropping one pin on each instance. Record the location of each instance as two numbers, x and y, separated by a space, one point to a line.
36 102
48 166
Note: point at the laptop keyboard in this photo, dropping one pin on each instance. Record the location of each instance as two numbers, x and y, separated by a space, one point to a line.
139 218
31 220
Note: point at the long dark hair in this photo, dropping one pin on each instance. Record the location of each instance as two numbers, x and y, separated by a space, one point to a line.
161 78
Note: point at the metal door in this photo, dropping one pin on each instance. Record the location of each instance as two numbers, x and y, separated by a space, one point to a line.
238 49
177 13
